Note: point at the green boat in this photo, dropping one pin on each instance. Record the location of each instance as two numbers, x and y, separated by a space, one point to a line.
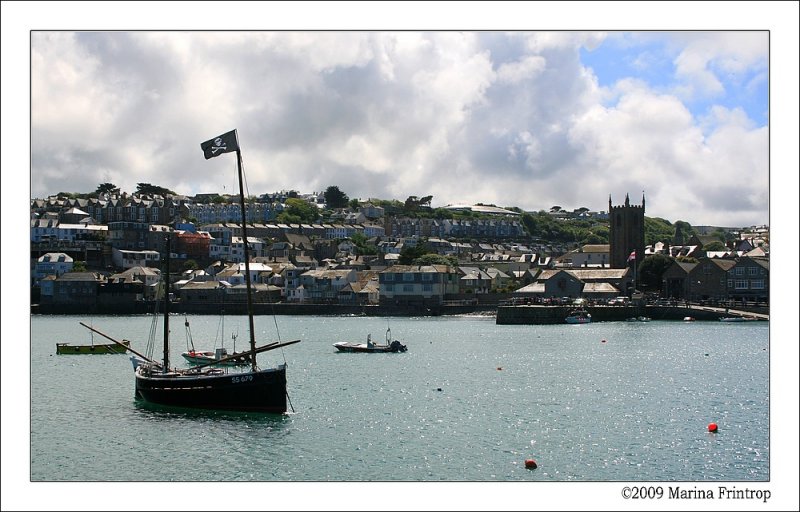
110 348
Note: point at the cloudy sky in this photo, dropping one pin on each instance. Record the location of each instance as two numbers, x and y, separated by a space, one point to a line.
521 118
529 117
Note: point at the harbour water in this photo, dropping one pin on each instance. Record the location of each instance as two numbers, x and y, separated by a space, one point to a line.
469 402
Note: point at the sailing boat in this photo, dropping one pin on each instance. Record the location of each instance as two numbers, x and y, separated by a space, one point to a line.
195 356
206 386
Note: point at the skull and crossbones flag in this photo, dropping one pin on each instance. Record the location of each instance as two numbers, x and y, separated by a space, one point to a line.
224 143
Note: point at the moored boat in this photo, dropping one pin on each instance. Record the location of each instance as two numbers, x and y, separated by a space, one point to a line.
206 386
579 316
94 348
218 356
369 346
738 319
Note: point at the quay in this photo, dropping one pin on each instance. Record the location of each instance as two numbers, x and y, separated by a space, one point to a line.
505 315
539 314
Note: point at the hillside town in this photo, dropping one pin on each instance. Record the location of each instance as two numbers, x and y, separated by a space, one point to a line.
105 253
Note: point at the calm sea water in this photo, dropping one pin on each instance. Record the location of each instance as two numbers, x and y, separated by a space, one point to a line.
469 401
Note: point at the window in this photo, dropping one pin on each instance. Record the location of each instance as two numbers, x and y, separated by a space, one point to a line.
427 276
739 271
757 284
389 288
408 288
741 284
388 277
752 271
408 276
730 283
427 287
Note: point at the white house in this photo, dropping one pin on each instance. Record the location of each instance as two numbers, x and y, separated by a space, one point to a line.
123 258
52 264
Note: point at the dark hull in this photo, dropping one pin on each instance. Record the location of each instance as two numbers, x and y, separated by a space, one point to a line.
111 348
261 391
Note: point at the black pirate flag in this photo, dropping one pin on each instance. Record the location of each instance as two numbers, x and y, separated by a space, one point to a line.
224 143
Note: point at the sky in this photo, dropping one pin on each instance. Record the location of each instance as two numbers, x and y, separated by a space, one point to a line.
527 104
531 119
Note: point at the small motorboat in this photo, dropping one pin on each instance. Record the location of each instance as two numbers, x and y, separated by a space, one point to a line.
688 319
207 357
579 316
369 346
738 319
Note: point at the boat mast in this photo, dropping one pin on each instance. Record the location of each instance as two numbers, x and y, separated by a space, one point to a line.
166 307
246 260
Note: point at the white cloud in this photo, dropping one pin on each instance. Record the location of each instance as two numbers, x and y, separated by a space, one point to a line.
709 59
512 119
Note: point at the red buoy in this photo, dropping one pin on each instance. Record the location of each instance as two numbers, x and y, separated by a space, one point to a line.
530 464
712 427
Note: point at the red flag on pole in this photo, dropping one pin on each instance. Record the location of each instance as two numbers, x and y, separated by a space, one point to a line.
632 256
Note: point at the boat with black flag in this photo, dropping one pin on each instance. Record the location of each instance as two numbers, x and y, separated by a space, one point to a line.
209 386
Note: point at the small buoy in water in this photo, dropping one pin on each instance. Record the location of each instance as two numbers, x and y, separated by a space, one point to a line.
499 367
602 341
706 354
712 427
530 464
438 389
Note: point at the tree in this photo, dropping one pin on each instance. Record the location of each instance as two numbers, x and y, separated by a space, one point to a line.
657 230
436 259
300 209
287 218
354 204
107 188
79 266
410 253
362 245
683 232
153 190
714 246
335 198
651 270
594 239
723 234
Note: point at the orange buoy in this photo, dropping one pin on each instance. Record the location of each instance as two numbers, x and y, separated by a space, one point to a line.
712 427
530 464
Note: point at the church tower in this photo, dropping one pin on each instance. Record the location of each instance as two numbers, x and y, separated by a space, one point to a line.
626 232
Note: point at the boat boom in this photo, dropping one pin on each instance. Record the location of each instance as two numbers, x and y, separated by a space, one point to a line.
118 343
270 346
